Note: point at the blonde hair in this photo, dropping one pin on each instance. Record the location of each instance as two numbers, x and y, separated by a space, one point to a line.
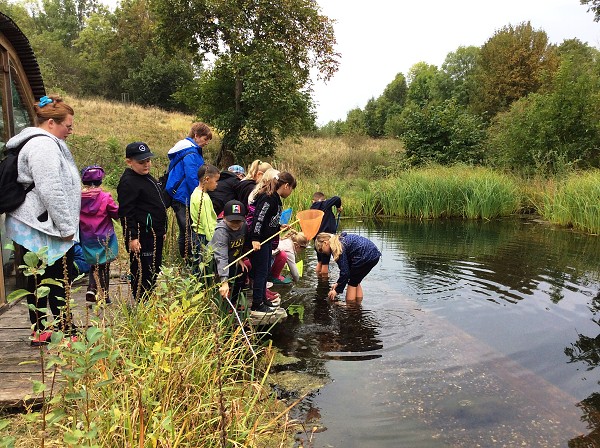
267 177
334 243
256 167
297 237
57 109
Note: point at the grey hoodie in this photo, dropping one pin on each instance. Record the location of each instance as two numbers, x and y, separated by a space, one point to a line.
47 161
227 245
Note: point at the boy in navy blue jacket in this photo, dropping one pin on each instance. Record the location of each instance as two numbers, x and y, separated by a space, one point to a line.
328 225
144 218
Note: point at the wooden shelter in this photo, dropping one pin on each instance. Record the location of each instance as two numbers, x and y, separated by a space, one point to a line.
20 85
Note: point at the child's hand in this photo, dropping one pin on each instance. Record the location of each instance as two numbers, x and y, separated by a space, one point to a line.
243 266
135 246
256 245
285 227
224 290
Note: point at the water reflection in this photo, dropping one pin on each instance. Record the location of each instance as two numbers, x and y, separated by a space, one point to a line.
461 320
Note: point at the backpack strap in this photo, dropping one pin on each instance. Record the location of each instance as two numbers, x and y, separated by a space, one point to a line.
17 150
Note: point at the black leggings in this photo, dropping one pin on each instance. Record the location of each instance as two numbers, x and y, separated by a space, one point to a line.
63 320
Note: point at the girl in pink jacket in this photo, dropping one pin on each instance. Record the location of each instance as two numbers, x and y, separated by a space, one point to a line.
96 231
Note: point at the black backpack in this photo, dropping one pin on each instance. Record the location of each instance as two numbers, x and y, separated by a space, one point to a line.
13 193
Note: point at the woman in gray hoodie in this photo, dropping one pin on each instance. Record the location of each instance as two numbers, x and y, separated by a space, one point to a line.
49 216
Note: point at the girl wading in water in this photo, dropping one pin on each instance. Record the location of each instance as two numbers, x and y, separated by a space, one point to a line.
355 256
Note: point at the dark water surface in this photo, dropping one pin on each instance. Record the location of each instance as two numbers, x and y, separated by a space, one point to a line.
470 334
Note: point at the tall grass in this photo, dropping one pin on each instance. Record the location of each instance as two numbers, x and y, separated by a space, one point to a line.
167 372
575 202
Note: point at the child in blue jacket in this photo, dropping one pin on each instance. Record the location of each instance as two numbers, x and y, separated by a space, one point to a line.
355 256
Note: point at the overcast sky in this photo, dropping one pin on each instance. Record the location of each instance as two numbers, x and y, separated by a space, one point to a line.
380 38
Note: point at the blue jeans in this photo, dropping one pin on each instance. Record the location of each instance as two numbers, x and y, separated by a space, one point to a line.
261 265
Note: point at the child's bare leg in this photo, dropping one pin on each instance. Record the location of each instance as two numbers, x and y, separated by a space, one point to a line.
359 293
324 269
350 293
319 267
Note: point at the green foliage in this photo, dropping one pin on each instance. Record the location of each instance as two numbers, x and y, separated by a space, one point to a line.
421 78
594 7
511 65
444 134
265 52
439 192
554 131
156 80
456 79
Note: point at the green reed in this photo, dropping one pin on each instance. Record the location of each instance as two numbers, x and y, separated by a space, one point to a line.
575 202
435 192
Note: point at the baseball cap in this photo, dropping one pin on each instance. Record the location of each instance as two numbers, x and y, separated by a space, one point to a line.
138 151
234 211
237 169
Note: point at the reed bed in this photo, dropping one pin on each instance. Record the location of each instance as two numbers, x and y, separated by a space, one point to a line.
575 202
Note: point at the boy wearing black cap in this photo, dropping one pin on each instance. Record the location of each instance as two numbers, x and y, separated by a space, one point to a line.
228 244
144 217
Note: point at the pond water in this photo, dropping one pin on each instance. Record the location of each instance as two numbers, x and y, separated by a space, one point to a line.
469 334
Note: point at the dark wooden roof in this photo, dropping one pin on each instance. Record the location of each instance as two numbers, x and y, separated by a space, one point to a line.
21 44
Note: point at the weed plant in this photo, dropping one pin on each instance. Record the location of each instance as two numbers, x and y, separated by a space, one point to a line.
166 372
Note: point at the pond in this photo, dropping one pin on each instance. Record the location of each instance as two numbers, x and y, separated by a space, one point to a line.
469 334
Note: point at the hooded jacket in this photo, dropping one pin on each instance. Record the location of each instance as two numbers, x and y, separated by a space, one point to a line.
225 192
141 205
228 245
184 160
52 207
97 211
356 251
328 224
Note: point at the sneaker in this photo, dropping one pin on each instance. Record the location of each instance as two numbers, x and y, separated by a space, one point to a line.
90 296
262 310
272 295
39 339
274 302
269 285
281 280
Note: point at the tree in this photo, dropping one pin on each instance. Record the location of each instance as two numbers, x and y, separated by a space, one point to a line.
442 133
552 131
594 7
456 80
420 82
265 52
511 65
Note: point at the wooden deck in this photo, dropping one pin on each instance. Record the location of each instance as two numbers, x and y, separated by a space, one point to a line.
20 363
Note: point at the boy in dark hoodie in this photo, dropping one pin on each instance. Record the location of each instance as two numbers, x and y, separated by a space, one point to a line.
328 225
227 245
144 218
